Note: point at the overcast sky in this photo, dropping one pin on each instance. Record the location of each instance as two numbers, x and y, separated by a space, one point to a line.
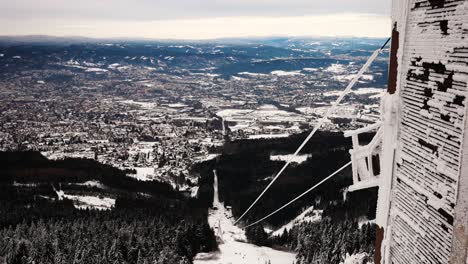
195 19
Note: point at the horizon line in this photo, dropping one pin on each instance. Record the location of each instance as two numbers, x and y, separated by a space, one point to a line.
130 38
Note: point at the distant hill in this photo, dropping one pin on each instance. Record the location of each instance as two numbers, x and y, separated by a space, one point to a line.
226 57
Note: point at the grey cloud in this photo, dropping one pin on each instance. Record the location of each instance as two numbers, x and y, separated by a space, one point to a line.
182 9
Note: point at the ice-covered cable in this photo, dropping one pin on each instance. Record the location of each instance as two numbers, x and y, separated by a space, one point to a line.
300 196
320 123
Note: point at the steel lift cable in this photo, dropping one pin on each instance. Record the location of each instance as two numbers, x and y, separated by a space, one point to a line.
300 196
320 123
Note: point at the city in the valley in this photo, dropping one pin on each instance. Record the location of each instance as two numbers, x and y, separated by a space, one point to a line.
155 108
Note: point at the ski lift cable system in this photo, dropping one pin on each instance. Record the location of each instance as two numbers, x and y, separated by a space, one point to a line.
300 196
331 110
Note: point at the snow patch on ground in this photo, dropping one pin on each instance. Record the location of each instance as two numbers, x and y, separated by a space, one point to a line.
259 136
232 247
93 184
253 74
376 96
19 184
61 155
369 91
206 158
268 113
87 201
113 66
332 93
356 259
143 173
267 107
235 78
364 221
230 112
336 68
291 157
309 215
247 120
286 73
194 191
95 70
144 105
177 105
91 202
349 77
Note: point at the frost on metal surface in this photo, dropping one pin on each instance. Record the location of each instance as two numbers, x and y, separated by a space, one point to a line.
433 78
365 159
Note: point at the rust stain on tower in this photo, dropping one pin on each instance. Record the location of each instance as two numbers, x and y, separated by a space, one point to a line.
393 68
379 236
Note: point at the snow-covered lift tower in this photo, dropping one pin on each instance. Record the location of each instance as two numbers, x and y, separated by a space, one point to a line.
422 141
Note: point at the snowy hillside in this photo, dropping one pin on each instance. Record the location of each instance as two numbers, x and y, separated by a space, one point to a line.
233 247
309 215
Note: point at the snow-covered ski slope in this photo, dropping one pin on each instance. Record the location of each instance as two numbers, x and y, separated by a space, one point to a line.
307 216
233 247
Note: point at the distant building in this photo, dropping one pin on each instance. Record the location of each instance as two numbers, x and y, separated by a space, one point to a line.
422 143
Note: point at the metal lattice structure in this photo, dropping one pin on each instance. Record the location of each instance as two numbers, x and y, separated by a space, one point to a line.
365 158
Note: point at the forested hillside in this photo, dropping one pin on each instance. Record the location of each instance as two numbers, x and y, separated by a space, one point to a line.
152 223
246 167
149 223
